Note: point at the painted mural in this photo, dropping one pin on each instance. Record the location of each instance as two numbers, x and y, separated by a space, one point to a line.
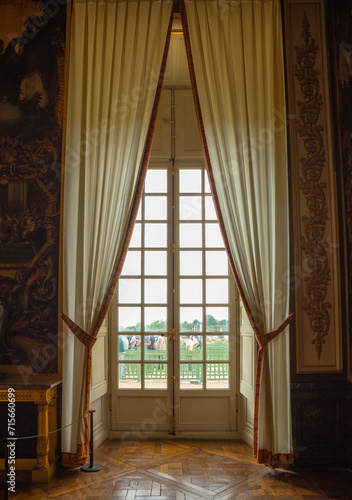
32 66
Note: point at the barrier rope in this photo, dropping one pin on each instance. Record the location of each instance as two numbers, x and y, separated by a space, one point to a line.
91 467
22 438
44 434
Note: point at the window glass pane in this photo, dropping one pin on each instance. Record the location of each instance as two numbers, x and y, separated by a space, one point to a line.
191 291
155 263
136 240
161 347
139 214
191 263
210 213
134 347
190 208
129 347
218 376
155 319
191 319
213 236
217 348
191 347
129 319
155 291
191 376
155 376
156 181
149 346
216 263
190 235
129 291
155 347
217 319
217 291
206 183
132 264
129 375
155 235
190 181
123 346
155 208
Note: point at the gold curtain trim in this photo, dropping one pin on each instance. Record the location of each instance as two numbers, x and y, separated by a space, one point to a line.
83 336
281 460
263 340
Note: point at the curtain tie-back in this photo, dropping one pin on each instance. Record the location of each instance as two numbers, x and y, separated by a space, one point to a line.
263 340
86 339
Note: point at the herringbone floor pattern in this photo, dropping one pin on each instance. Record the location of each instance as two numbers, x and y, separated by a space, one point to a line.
185 470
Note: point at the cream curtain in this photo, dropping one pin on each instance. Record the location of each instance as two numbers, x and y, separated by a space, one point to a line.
236 56
116 55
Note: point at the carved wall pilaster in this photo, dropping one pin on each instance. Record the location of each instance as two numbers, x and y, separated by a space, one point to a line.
316 237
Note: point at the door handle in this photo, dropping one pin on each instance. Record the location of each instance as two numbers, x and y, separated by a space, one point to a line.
170 335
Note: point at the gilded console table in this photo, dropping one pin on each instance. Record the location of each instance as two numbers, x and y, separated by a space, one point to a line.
43 392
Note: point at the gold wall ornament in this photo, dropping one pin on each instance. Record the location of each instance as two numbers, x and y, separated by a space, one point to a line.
43 446
313 241
316 273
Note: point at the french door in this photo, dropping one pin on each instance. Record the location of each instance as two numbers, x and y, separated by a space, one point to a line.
173 321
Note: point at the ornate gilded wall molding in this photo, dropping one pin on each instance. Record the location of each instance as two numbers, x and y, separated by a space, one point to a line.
316 281
313 239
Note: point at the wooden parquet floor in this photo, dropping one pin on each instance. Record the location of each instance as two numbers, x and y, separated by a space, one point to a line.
184 470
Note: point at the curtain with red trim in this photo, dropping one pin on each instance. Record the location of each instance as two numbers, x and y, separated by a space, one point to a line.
235 54
117 60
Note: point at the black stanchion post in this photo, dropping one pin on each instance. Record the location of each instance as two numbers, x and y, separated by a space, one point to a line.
92 467
6 471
